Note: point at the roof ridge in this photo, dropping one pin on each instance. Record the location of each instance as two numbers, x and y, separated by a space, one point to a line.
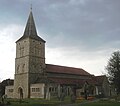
65 69
65 66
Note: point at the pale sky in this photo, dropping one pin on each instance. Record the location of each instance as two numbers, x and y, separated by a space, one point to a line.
78 33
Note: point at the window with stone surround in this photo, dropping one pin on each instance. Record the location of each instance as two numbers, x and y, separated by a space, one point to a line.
35 89
52 89
10 90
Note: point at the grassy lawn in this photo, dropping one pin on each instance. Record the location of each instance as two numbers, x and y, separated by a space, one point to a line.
56 102
37 102
101 103
34 102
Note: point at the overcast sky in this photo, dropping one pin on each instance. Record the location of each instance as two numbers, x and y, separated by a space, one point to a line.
78 33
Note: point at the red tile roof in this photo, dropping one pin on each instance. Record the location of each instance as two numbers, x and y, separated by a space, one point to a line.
99 79
67 81
72 81
65 70
92 81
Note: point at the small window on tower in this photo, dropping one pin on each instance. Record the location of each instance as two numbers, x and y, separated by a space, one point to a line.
18 68
22 51
23 68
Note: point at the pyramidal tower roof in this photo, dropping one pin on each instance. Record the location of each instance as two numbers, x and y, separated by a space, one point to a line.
30 29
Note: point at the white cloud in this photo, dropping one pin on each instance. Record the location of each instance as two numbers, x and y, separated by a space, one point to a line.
77 2
8 37
93 62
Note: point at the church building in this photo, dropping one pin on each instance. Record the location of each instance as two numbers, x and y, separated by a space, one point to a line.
35 79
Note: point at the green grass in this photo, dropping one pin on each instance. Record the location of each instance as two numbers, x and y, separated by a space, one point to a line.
56 102
38 102
101 103
34 102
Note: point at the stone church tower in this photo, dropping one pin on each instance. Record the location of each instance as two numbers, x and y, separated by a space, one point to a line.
30 59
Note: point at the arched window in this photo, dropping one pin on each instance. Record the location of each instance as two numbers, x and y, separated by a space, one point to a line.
23 67
18 68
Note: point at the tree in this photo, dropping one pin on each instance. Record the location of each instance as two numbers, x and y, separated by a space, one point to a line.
3 84
113 70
